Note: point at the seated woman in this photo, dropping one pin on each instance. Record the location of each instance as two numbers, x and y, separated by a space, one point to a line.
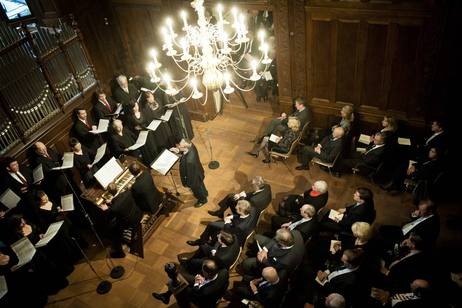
282 144
121 139
317 196
346 122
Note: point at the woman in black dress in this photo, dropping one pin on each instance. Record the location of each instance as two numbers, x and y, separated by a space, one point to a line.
83 158
121 139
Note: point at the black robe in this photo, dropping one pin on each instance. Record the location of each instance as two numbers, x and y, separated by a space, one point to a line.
150 150
123 97
191 170
163 134
120 143
81 163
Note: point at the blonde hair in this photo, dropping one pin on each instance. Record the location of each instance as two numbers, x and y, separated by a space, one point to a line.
294 124
392 124
361 230
349 113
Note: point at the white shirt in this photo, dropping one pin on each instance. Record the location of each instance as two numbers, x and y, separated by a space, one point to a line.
298 222
340 272
14 176
375 146
409 226
410 254
401 297
206 281
432 136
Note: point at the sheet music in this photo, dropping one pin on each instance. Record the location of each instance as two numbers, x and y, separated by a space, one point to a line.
274 138
404 141
167 115
68 161
164 162
102 126
9 199
50 234
108 173
37 174
99 154
24 250
3 286
67 202
335 215
154 125
140 141
366 139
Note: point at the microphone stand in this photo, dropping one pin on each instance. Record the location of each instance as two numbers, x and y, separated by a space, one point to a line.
117 271
213 164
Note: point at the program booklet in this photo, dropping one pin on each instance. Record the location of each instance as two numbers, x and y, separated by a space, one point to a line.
364 139
335 215
404 141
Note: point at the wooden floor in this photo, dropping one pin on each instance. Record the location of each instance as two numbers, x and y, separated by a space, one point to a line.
228 136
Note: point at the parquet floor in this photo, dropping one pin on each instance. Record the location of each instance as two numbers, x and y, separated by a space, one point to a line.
229 136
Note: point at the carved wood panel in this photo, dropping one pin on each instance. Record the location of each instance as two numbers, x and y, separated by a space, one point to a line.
298 47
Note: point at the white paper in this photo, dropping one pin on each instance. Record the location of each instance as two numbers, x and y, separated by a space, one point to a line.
118 110
411 162
259 247
274 138
102 126
335 215
167 115
108 173
68 161
333 244
37 174
404 141
3 286
24 250
99 154
50 234
140 141
9 199
325 280
164 162
67 202
267 76
154 125
364 139
361 150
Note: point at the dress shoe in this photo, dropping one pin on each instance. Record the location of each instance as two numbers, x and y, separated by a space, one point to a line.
302 167
184 257
194 243
117 254
266 161
162 297
253 154
216 213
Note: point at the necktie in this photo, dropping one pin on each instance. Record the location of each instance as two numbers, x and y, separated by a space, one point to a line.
107 105
23 180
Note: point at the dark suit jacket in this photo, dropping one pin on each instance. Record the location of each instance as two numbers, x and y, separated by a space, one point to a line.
100 110
123 97
124 208
82 133
191 170
287 259
303 116
208 295
374 157
145 193
407 270
330 148
271 295
260 200
428 229
342 284
308 229
242 227
48 163
225 256
9 182
364 212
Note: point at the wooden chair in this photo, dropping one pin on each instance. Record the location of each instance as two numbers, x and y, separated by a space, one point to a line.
329 166
284 156
304 132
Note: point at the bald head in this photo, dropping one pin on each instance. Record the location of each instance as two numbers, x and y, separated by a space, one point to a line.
335 300
40 148
338 132
307 211
270 274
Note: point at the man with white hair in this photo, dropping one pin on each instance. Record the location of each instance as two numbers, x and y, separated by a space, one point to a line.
260 198
305 224
124 92
191 171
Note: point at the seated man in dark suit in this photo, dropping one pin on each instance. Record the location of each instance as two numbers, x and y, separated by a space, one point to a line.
362 210
268 289
342 280
148 198
420 296
327 150
104 107
305 223
284 251
126 213
82 130
224 252
260 198
425 222
438 139
365 162
206 288
280 124
240 224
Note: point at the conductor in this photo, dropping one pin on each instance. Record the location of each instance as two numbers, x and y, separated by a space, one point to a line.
191 171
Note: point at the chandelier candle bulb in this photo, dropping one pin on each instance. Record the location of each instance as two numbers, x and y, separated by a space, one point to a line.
220 13
170 27
185 22
228 89
254 76
196 94
265 48
261 36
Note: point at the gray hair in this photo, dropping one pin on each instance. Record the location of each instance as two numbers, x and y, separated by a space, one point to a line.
335 300
320 186
258 180
284 237
244 205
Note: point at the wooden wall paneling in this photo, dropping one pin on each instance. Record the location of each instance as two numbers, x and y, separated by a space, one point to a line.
321 49
298 47
374 68
346 60
281 29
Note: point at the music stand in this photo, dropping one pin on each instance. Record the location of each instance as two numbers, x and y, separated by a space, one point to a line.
164 163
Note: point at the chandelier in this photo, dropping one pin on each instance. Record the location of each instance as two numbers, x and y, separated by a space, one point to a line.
217 55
